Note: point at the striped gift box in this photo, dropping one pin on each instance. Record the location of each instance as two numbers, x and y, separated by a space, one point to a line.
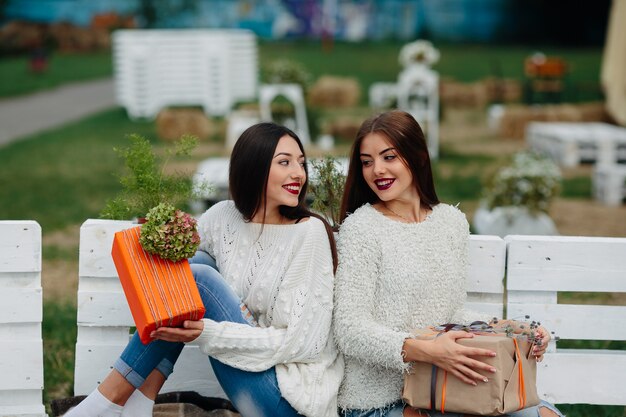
159 292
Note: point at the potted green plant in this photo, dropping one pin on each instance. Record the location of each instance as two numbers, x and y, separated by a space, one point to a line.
145 184
326 187
517 197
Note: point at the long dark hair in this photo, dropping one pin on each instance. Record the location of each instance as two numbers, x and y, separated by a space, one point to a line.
406 136
250 163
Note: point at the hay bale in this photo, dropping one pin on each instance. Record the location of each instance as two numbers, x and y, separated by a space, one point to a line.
19 36
515 118
173 123
593 112
458 95
503 90
329 91
343 127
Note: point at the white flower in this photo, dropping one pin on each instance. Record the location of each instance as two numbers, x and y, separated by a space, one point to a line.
531 181
418 52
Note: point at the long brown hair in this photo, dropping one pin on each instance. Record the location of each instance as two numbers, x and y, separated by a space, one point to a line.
250 163
406 136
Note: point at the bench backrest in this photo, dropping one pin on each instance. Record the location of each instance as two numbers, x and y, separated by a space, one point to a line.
104 319
21 346
538 268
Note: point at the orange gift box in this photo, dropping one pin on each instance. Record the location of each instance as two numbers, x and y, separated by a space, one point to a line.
159 292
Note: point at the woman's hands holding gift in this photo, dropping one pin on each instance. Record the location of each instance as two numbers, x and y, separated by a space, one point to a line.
444 352
190 331
542 338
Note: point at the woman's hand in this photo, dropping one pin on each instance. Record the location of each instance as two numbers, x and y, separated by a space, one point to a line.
540 348
447 354
190 331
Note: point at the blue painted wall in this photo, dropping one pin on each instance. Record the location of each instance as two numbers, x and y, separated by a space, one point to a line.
447 20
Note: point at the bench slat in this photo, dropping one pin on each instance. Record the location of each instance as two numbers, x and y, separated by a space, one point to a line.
588 322
582 377
566 263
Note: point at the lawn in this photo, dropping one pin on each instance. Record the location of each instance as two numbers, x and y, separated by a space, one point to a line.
64 176
369 62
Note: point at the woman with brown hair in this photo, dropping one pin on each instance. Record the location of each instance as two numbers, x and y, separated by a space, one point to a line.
264 270
402 264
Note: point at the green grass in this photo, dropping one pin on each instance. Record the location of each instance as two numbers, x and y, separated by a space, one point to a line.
577 187
64 176
369 62
17 78
59 339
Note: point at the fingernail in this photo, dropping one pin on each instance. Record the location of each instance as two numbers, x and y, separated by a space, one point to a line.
493 370
485 380
493 353
474 383
152 334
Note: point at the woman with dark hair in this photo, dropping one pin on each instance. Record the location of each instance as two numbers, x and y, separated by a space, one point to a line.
402 266
264 270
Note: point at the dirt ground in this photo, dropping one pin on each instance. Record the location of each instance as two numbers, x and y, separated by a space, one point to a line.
462 131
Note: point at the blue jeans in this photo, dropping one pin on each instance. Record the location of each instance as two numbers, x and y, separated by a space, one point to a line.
251 393
395 410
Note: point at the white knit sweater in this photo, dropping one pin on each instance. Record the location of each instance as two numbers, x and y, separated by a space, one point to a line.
283 273
394 277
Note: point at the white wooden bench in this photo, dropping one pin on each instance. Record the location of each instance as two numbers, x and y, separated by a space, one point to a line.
104 319
569 144
21 346
212 68
538 268
609 183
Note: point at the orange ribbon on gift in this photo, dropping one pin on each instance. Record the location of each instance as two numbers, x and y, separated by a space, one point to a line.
475 327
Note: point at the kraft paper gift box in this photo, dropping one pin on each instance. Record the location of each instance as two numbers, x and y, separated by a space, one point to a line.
511 388
159 292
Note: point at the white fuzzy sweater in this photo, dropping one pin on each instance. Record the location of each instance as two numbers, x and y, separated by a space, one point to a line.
392 278
283 273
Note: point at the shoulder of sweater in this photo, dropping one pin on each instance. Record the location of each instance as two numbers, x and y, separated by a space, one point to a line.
218 211
362 217
452 213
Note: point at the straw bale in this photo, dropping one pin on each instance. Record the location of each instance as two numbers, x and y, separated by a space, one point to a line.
516 117
173 123
345 127
503 90
19 36
456 94
330 91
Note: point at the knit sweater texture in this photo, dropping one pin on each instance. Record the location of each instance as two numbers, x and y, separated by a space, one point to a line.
284 274
394 277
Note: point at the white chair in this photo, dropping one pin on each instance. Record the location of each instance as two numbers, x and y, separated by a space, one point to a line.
418 94
293 93
609 183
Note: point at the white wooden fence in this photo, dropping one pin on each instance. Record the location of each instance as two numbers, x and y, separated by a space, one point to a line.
21 347
538 268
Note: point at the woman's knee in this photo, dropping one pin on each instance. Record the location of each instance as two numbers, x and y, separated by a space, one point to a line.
546 412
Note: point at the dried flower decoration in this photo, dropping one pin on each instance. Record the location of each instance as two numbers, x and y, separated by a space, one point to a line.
519 329
169 233
420 52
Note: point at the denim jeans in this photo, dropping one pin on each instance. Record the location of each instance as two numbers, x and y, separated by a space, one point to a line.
395 410
251 393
